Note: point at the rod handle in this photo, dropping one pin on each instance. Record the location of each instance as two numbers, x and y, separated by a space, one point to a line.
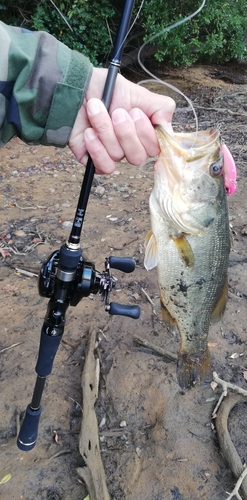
29 430
124 310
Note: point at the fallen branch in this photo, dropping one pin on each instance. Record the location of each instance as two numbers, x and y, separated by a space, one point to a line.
225 386
222 110
228 450
93 471
156 349
235 491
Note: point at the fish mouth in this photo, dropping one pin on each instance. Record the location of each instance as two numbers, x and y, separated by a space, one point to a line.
183 185
190 145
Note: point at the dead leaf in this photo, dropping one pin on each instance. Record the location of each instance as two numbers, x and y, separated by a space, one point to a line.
56 438
10 288
4 253
213 385
37 240
5 479
235 355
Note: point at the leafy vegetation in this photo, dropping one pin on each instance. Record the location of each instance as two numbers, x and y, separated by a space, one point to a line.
216 35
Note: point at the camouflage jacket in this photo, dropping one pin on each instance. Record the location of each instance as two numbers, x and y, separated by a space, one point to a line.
42 84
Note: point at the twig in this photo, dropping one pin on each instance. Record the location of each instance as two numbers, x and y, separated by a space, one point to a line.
225 385
18 423
149 300
156 349
76 402
26 273
24 208
70 344
222 110
10 347
59 453
237 486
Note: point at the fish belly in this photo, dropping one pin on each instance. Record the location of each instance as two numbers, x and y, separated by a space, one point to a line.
192 276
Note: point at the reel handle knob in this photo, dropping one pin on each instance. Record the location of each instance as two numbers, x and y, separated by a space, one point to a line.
125 264
124 310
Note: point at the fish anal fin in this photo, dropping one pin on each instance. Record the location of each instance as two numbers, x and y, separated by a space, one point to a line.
192 368
151 254
184 250
221 305
168 319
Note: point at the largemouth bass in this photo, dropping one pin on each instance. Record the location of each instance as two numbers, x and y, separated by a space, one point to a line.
190 242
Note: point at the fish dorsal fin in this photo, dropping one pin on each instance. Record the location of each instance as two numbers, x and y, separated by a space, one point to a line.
221 304
184 249
151 254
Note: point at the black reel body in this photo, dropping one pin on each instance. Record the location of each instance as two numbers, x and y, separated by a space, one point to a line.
87 280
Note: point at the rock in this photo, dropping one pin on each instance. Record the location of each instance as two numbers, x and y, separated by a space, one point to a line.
99 190
19 233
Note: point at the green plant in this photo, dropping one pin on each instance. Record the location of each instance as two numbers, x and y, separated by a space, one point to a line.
215 35
90 23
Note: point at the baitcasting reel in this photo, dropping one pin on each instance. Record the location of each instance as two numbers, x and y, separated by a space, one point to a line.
87 280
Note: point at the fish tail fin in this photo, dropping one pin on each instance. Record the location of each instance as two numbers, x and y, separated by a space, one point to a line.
192 368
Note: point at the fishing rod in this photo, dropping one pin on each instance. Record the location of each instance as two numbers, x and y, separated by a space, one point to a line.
65 278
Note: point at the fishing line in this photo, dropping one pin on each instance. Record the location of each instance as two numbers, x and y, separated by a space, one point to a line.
154 77
133 23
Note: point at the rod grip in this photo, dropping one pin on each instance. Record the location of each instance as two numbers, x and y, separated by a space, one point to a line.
47 351
29 429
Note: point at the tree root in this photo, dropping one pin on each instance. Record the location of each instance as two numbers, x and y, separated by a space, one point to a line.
227 448
92 473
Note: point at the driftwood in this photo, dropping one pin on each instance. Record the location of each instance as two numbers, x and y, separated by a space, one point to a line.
227 447
92 473
228 450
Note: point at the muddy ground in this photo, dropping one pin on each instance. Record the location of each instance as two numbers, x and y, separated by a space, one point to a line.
168 448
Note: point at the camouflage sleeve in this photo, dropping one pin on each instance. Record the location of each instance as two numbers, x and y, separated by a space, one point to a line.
42 84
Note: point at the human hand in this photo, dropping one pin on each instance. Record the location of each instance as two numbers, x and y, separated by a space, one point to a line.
126 130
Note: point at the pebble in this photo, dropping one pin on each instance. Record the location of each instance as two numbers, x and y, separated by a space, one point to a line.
67 224
19 233
122 424
99 190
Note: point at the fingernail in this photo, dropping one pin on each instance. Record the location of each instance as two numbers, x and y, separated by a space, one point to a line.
95 106
90 134
119 116
84 160
136 115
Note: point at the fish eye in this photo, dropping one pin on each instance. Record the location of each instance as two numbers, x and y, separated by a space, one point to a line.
216 168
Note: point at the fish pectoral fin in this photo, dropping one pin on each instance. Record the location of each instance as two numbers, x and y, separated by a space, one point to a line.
151 254
220 305
184 249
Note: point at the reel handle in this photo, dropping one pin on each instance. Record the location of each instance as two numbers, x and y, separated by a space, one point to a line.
125 264
124 310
